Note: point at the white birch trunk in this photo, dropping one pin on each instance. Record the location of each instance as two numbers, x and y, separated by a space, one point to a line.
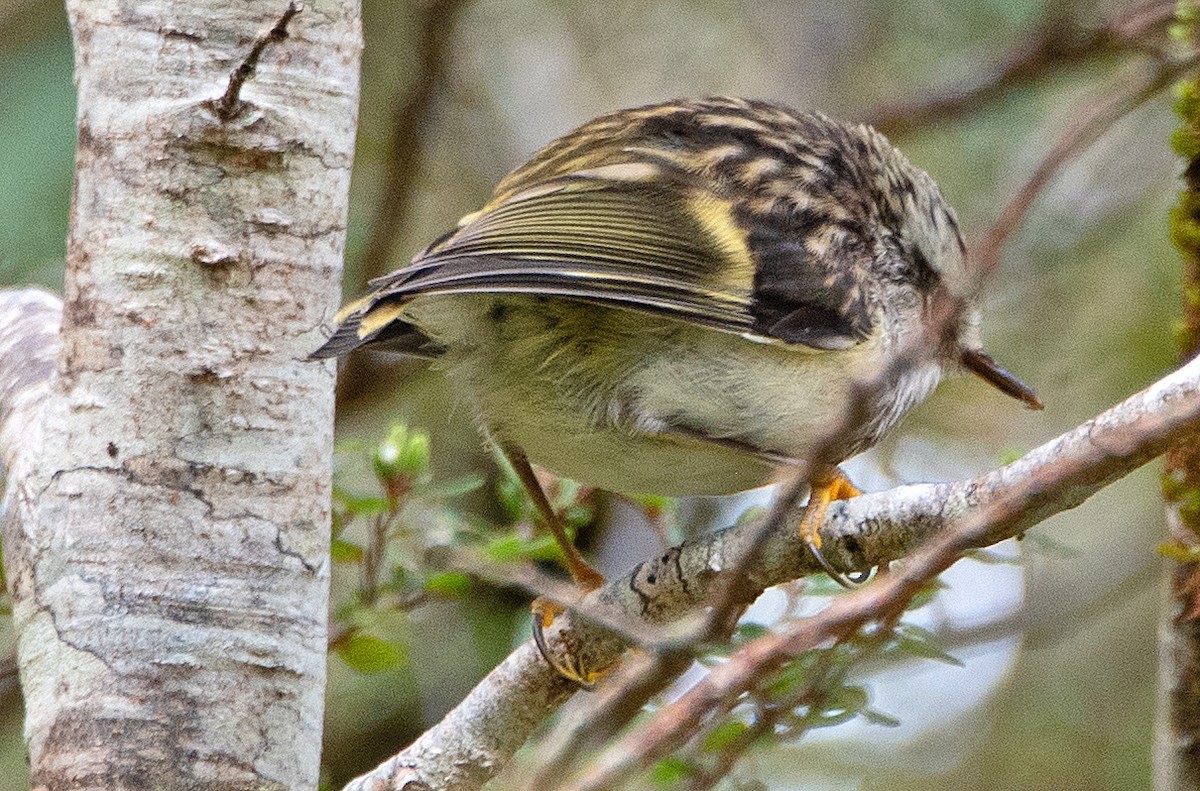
168 505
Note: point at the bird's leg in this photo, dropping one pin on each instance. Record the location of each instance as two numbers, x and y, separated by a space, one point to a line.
828 483
581 571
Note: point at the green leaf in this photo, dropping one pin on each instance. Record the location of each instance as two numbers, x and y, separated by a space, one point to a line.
578 515
1179 553
918 642
1009 455
368 654
879 718
990 558
345 552
791 677
355 505
723 735
822 585
1049 546
451 584
841 705
925 595
670 772
511 548
749 631
753 512
512 496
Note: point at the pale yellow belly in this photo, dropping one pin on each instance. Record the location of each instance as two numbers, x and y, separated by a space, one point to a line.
617 461
597 394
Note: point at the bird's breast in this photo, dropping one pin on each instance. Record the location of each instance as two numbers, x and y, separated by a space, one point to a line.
623 401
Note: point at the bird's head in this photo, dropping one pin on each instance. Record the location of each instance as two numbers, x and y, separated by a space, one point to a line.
936 258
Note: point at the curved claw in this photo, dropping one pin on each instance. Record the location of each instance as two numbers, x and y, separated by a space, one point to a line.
543 616
849 581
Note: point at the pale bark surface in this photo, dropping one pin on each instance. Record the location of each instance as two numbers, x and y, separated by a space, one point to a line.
167 514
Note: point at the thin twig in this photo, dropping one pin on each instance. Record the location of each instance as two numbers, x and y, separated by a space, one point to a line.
1084 130
229 106
1044 51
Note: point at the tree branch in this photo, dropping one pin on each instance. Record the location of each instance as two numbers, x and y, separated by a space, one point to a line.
229 105
1177 724
410 126
460 753
1046 49
1084 129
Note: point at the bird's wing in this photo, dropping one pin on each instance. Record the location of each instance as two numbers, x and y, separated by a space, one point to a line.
642 236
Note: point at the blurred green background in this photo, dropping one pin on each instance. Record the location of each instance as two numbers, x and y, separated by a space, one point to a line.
1083 309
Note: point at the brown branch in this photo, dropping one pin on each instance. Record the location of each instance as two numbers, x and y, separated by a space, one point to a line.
1087 126
479 736
1046 49
229 106
410 127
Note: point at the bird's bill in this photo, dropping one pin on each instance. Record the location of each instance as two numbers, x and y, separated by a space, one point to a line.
980 363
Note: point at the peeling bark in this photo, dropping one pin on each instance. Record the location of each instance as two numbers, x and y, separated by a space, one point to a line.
166 536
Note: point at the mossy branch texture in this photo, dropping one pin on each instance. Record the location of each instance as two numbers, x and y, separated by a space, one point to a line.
1176 762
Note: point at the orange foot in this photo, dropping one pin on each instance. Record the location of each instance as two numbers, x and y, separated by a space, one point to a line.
827 484
564 662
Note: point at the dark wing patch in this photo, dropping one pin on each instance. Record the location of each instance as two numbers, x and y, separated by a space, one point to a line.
815 298
343 341
815 326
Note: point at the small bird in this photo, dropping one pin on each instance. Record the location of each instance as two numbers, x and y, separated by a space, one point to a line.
685 298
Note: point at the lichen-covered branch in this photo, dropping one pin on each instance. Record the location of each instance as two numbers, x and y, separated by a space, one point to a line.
479 736
1177 727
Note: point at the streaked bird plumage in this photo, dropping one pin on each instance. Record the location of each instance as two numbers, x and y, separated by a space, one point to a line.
776 260
685 297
